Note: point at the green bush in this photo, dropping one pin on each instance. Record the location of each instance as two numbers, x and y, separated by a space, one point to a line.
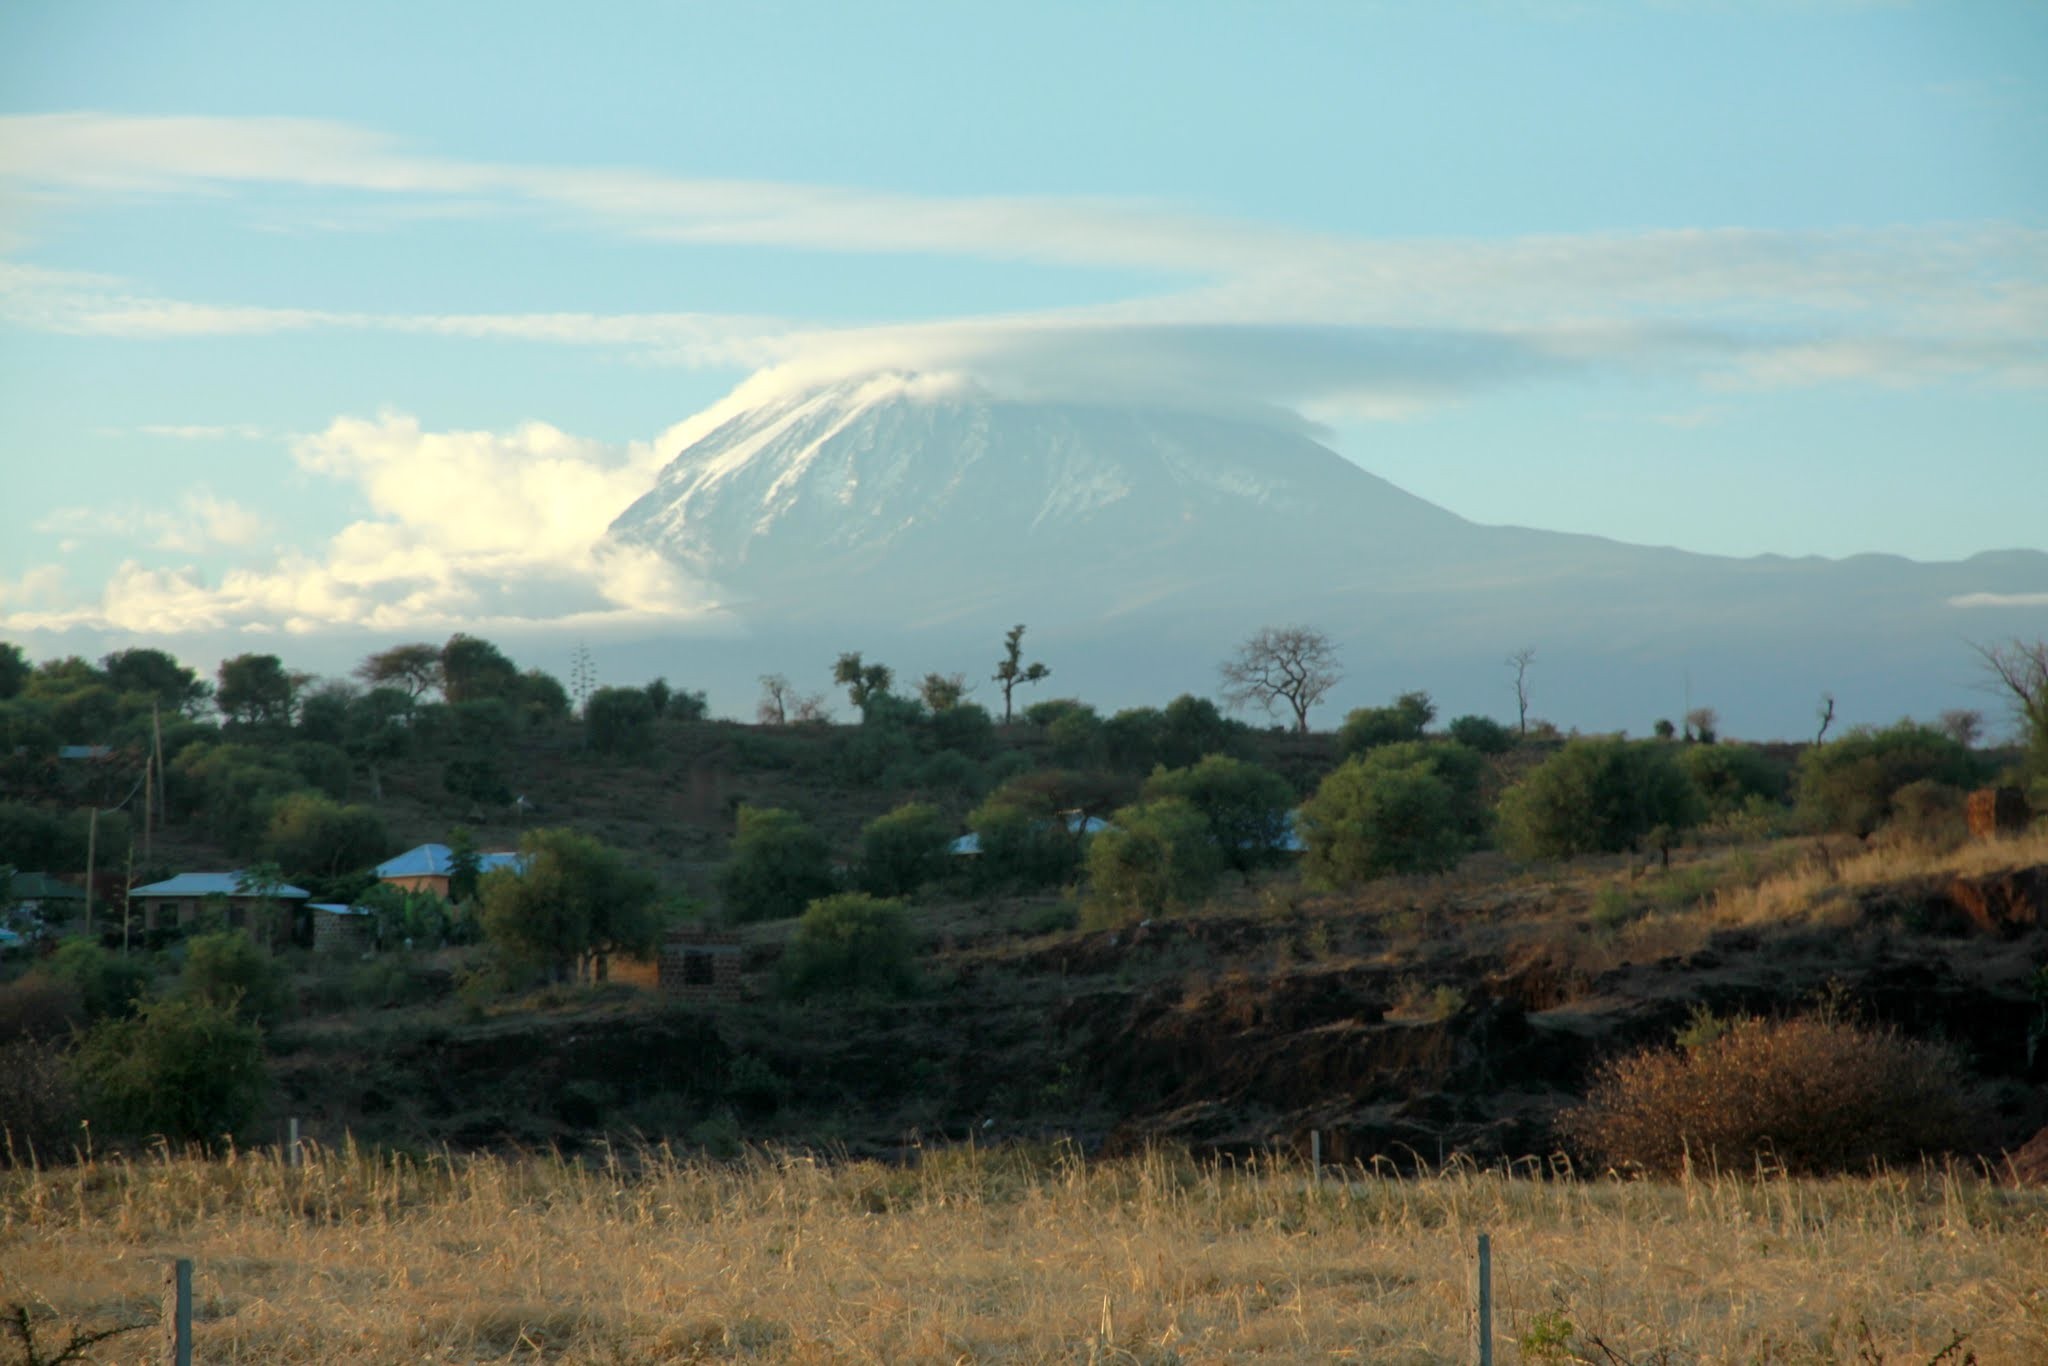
851 944
1597 796
779 865
38 1006
572 903
316 836
1244 806
38 1104
1020 848
1154 857
234 972
1482 734
1849 783
1929 813
1730 777
108 984
619 720
1368 728
903 850
1813 1095
1389 811
186 1068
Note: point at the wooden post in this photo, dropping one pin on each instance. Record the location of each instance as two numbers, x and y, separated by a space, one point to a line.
1485 1301
92 850
294 1131
148 809
178 1314
1315 1157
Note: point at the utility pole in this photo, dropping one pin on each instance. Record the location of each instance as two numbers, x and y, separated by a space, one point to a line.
92 848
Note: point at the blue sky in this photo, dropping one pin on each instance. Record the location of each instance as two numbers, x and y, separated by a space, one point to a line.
328 321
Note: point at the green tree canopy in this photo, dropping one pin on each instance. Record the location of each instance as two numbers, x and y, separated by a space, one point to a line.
155 674
473 669
779 865
1244 806
313 835
256 690
903 850
186 1068
1155 857
851 944
572 903
1848 784
1597 796
1370 727
230 970
1397 809
619 720
413 668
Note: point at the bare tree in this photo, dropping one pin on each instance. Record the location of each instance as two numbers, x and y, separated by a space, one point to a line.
1520 661
776 695
1826 713
1964 725
2018 671
1702 726
1011 669
1294 665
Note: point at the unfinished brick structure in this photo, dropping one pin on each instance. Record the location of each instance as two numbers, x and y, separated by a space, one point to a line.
1998 811
698 964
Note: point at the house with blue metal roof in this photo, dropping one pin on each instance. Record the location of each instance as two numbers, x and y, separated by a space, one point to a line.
428 867
179 900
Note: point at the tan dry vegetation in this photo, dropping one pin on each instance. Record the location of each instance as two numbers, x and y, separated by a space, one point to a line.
1009 1257
1828 879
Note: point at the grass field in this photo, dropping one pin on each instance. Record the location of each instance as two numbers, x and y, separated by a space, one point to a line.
1013 1256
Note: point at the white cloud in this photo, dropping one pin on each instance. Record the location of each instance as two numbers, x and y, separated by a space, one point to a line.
470 529
1742 307
1968 600
200 521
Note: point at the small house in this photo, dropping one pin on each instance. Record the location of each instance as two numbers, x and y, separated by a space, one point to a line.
179 900
428 867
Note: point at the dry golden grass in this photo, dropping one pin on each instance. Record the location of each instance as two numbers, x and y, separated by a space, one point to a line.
1829 879
996 1257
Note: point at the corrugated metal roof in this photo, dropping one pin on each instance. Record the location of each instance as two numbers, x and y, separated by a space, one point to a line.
336 908
436 860
214 884
43 887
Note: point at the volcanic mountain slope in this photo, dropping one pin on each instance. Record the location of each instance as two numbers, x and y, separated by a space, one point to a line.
1145 540
941 501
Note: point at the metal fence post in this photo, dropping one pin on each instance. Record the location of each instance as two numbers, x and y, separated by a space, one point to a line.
1485 1301
178 1315
294 1130
1315 1157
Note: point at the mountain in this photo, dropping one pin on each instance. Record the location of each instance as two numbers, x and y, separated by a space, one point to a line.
1146 541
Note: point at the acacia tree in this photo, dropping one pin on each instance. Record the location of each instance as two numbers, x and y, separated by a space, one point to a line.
863 682
1011 670
1294 666
415 667
256 690
572 902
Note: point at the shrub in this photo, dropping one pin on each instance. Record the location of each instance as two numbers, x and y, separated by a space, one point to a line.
572 903
187 1069
1021 848
38 1006
1076 737
1849 783
1482 734
1155 857
1816 1095
778 866
903 850
1928 812
234 972
108 984
851 944
1729 777
1411 807
318 836
1244 806
965 728
38 1104
1370 727
619 720
1597 796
